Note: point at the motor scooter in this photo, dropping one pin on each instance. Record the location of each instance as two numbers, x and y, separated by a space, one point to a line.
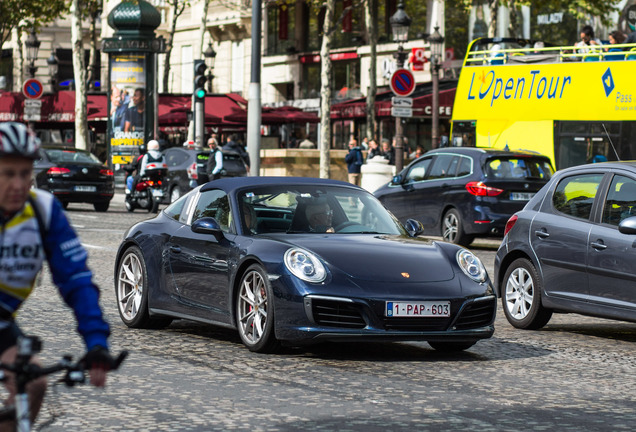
148 191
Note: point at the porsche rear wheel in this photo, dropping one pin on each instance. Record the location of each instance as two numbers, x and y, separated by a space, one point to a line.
255 311
521 297
131 290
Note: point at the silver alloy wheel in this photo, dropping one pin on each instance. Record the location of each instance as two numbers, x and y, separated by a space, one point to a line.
451 224
130 286
252 307
519 293
175 194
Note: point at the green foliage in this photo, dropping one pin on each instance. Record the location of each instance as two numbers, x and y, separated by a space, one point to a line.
27 14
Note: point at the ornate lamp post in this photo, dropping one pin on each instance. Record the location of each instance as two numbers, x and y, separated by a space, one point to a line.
53 64
32 46
436 40
400 23
210 56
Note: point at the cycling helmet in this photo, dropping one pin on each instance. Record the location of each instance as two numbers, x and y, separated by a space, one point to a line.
17 140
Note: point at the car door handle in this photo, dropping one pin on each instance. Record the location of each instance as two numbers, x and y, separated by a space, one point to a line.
598 245
541 234
175 249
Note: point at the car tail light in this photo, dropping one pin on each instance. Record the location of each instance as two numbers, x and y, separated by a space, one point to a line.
511 222
106 172
192 171
58 171
480 189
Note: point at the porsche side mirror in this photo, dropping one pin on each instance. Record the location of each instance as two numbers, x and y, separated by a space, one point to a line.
207 225
414 227
628 225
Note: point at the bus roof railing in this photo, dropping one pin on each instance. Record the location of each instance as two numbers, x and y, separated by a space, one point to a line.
509 51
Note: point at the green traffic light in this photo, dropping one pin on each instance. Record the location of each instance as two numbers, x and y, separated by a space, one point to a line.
199 93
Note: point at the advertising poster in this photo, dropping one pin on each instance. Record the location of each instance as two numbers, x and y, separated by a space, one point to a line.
127 105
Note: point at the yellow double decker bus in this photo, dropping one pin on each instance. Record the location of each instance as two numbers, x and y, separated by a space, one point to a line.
575 105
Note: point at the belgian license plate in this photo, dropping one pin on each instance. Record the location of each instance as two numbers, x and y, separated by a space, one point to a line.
418 309
80 188
521 196
157 193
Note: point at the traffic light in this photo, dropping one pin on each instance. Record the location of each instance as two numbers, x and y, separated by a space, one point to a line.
199 79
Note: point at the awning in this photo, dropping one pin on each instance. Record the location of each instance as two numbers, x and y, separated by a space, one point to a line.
278 115
173 109
58 107
422 103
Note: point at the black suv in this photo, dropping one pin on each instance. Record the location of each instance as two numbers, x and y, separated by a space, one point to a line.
464 192
187 169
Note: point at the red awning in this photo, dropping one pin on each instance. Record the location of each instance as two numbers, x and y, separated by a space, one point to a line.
11 106
357 108
173 109
279 115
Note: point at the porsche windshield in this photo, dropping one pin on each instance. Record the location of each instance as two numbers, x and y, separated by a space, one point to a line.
307 209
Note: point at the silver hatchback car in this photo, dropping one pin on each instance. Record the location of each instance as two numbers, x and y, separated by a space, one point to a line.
572 248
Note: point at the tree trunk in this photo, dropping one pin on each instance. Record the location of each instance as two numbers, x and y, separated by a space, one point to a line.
513 27
325 90
204 24
81 121
166 64
370 12
93 73
17 34
492 27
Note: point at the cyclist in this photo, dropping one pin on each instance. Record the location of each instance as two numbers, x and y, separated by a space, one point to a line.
33 227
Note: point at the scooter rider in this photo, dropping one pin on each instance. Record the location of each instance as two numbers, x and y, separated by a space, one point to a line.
153 156
33 227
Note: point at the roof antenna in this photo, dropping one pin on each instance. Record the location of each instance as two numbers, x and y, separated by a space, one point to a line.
610 141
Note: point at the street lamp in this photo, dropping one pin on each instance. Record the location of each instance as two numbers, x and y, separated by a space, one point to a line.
210 56
436 40
400 23
32 46
53 64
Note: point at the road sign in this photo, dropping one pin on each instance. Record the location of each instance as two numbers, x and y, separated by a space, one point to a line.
33 88
401 102
402 82
32 110
401 112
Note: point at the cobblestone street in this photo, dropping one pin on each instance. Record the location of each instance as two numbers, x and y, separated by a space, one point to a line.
576 374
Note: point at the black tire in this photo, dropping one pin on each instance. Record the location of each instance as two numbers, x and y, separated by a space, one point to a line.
64 204
451 346
175 193
102 206
129 206
255 311
452 229
131 291
154 207
521 296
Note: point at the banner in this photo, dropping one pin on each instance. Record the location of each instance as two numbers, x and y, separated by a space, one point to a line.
127 105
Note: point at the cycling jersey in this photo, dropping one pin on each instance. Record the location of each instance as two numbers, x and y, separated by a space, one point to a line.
22 253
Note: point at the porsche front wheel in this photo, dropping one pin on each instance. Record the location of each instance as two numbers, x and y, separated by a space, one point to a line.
255 311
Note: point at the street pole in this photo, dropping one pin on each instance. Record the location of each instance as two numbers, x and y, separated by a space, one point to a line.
254 96
435 107
400 57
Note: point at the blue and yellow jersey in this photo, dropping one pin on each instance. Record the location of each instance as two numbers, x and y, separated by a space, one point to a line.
23 250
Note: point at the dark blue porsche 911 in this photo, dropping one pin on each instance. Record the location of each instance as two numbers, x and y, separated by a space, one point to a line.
299 261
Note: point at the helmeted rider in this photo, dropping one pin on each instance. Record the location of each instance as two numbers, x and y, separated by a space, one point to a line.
152 156
33 227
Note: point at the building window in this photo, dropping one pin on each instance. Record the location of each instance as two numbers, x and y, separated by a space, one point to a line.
281 28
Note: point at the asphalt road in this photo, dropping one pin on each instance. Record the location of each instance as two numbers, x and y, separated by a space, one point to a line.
577 374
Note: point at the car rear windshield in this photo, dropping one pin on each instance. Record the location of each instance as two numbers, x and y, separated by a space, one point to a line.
62 156
514 168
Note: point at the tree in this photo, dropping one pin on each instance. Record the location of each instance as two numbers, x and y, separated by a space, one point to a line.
370 12
79 72
178 6
325 88
23 14
92 9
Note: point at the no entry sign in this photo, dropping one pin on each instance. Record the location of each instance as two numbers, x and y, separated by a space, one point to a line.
402 82
32 88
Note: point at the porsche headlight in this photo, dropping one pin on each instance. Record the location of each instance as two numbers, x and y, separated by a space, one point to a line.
471 265
305 265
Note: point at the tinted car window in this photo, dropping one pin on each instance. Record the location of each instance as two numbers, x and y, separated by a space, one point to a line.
174 210
175 157
575 195
214 203
61 156
519 168
418 171
621 200
441 166
465 166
